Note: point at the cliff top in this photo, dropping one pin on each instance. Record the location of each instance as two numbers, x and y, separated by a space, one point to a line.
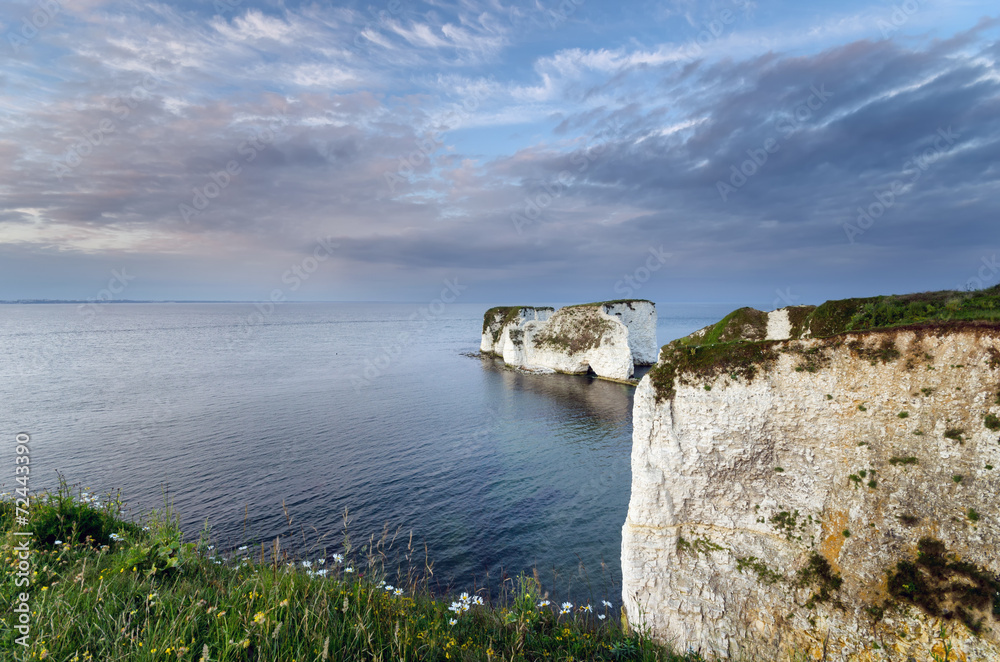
858 314
626 302
737 345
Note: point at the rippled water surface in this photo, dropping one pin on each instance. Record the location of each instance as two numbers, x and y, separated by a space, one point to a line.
327 407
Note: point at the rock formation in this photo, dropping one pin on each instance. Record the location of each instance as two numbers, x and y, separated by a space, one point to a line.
834 494
609 338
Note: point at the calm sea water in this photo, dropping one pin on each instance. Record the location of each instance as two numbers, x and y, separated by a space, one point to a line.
318 408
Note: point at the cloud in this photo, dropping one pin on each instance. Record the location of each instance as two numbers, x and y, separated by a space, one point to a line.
161 132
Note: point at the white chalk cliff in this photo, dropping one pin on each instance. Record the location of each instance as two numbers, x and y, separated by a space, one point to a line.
608 338
832 498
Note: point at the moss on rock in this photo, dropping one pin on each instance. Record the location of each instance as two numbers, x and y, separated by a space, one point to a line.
574 329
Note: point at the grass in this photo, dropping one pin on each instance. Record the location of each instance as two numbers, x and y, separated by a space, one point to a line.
112 590
736 343
495 319
614 302
907 460
955 434
574 329
682 364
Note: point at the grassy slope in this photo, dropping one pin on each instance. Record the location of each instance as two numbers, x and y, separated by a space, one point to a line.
150 596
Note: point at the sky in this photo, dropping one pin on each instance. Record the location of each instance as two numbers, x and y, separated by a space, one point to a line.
771 153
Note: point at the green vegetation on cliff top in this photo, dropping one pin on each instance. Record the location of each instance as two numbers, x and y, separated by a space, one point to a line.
496 318
735 345
611 303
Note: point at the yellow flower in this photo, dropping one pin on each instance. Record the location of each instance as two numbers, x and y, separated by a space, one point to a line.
259 617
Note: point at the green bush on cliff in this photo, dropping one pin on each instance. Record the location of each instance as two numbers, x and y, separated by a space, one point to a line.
144 594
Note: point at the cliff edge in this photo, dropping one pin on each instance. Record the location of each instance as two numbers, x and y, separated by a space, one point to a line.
832 494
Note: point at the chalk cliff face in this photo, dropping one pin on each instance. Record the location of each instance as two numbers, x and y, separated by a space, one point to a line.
498 322
640 319
834 497
609 338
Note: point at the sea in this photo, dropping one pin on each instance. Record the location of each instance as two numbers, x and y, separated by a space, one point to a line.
327 426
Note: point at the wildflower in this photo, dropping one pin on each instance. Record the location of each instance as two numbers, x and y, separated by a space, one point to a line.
452 621
283 603
321 573
259 617
606 603
321 561
544 603
241 548
464 597
398 591
601 616
211 547
339 558
348 569
58 542
115 537
587 608
307 564
389 587
566 606
477 600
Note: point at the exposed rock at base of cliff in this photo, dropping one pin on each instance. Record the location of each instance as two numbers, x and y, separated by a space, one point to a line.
608 338
829 497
